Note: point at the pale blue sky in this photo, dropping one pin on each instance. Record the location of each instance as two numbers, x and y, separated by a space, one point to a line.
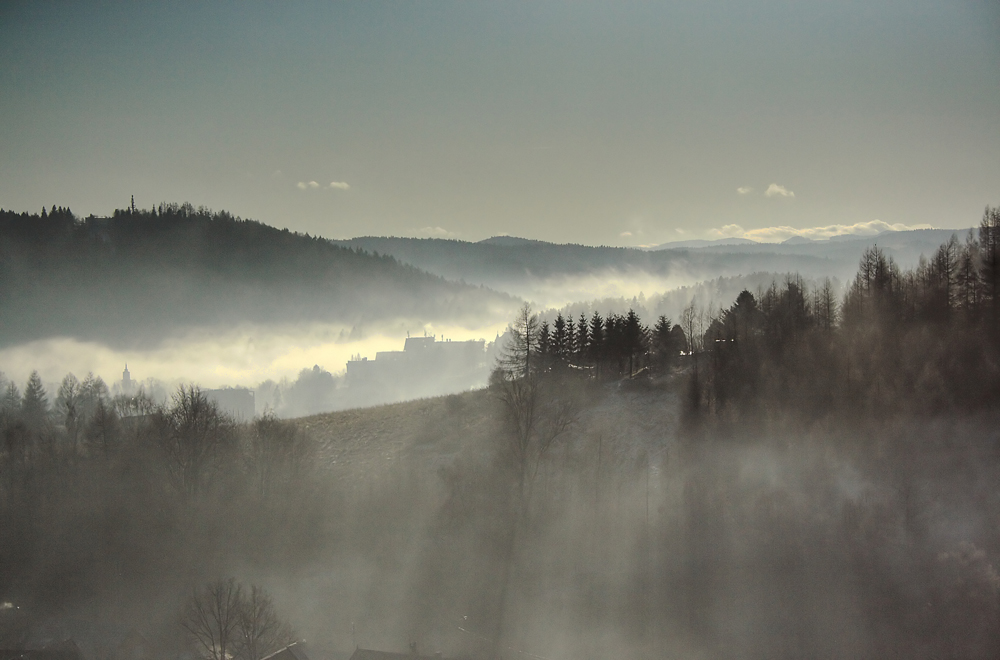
616 123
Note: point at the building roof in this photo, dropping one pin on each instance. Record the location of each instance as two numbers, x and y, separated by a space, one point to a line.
293 651
368 654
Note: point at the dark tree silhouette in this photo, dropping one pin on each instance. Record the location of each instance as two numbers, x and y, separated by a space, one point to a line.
35 403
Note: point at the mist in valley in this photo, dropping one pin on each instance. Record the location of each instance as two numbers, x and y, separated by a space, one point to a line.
499 331
802 471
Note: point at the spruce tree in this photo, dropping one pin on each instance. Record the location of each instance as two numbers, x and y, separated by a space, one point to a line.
35 402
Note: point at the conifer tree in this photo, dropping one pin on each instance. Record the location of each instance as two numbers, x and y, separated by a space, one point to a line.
35 402
10 404
582 337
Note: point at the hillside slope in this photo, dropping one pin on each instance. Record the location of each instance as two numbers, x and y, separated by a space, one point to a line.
427 434
139 276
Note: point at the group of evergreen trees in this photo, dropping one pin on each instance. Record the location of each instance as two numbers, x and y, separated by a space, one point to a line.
613 347
920 340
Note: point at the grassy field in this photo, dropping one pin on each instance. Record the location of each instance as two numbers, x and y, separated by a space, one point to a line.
627 418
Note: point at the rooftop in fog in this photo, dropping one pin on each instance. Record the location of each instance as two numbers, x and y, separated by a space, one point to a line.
368 654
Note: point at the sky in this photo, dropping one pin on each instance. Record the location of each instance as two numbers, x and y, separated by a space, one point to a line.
617 123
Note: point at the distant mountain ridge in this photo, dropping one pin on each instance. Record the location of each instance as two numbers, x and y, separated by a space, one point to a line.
511 241
891 236
701 242
514 265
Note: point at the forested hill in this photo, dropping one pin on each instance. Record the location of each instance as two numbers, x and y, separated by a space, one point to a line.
139 276
507 263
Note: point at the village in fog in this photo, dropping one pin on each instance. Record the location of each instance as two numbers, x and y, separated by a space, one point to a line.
456 331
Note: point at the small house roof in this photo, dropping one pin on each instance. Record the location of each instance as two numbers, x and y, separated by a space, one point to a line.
293 651
368 654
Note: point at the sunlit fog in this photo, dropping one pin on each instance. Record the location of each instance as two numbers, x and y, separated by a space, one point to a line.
500 331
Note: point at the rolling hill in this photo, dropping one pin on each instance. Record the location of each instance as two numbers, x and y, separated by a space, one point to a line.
139 276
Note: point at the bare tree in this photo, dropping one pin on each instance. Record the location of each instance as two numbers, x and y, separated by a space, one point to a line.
518 354
69 408
533 414
135 414
102 433
261 632
533 417
212 618
275 453
689 322
196 437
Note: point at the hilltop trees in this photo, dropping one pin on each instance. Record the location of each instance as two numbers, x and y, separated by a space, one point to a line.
989 257
894 338
618 346
533 413
666 343
920 339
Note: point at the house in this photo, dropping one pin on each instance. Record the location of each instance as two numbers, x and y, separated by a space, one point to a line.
426 366
237 402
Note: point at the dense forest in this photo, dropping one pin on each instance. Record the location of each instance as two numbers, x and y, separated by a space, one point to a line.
798 474
916 341
142 275
919 340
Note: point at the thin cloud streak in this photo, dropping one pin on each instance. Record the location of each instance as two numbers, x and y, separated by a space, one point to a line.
782 233
313 185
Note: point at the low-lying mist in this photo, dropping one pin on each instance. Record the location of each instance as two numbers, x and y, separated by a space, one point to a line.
237 356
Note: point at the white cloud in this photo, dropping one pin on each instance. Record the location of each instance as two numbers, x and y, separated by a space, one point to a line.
625 234
312 185
744 190
435 232
774 190
778 234
727 231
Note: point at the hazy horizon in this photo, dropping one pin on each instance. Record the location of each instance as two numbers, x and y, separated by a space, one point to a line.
781 448
625 124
